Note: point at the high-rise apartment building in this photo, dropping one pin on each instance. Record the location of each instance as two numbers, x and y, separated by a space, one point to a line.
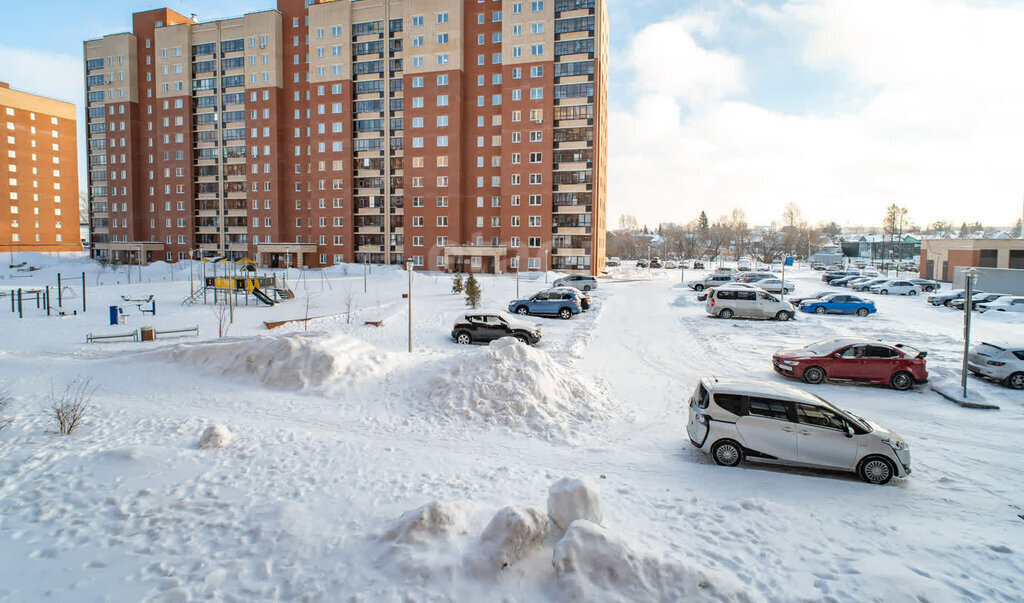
39 186
464 135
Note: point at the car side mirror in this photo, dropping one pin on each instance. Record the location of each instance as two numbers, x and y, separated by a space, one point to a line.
849 431
837 355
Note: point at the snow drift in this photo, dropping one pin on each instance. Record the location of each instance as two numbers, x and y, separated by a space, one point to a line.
511 384
593 564
215 436
571 499
292 361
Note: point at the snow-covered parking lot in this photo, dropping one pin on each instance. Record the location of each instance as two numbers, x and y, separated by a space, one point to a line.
340 433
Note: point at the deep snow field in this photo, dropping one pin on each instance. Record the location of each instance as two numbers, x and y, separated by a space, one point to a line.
361 472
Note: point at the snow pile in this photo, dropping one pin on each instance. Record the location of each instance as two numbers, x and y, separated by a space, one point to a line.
292 361
592 564
215 436
513 533
420 546
511 384
431 522
572 499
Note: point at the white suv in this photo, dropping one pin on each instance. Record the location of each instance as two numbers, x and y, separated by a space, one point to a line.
746 300
896 288
583 282
736 419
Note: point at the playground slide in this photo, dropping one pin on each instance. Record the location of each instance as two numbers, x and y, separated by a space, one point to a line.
260 295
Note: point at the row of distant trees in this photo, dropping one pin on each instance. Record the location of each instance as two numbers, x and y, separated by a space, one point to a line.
729 235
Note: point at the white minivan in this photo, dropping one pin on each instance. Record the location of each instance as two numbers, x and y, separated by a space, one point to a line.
742 301
737 419
743 264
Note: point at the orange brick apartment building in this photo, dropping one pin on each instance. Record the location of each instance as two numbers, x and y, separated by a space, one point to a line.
39 187
459 134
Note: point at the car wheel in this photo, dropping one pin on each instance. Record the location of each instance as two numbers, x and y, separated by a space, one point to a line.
862 312
586 287
727 453
522 310
884 292
565 313
522 339
876 470
819 309
901 381
698 287
783 316
912 292
463 338
947 303
814 375
929 289
1015 381
725 313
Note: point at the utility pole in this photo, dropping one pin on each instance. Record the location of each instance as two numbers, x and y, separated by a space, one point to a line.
970 274
408 267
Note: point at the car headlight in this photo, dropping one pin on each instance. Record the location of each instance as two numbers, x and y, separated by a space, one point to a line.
790 362
896 444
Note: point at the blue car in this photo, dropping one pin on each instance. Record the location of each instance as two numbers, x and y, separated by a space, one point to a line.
558 302
839 303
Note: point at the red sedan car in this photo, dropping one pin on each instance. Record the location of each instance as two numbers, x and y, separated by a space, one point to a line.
865 360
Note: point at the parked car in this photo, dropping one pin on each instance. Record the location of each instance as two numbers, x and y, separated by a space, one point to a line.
896 288
483 327
1004 364
703 295
945 299
840 303
869 271
670 264
753 277
736 419
583 295
613 261
583 282
847 359
656 262
817 266
830 276
776 266
730 301
1007 303
843 281
698 265
562 304
926 285
641 263
711 280
774 285
743 264
866 284
975 300
796 301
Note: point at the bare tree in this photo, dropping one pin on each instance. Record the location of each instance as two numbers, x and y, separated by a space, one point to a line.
70 407
627 222
717 235
770 245
348 299
222 312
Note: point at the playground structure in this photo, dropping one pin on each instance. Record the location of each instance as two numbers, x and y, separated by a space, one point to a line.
239 278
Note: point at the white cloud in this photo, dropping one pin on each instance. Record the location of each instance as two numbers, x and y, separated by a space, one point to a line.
938 131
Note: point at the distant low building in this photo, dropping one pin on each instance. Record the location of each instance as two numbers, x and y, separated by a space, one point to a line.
941 257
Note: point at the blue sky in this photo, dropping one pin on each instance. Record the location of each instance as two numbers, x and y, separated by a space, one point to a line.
842 106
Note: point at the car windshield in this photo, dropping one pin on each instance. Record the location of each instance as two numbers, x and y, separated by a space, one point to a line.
820 348
849 416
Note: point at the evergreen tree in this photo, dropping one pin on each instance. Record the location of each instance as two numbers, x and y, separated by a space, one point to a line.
457 283
702 222
472 292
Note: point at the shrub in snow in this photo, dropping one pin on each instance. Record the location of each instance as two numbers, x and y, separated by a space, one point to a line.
5 400
457 283
70 406
432 521
571 499
512 534
215 436
592 564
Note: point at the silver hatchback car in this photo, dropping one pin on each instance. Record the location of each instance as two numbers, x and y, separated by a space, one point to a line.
737 419
1004 364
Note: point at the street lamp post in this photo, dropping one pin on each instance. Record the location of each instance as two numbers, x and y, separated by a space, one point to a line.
408 267
545 266
970 275
517 276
